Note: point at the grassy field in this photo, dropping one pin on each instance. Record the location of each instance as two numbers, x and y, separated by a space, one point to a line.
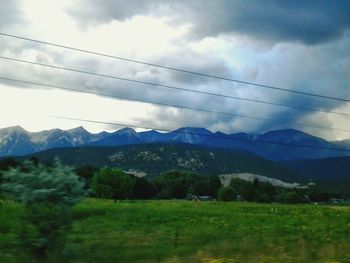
186 231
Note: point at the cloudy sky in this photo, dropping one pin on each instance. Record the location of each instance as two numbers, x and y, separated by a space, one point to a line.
296 45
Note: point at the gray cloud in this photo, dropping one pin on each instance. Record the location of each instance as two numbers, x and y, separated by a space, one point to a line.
10 14
303 66
190 59
313 69
318 69
310 22
94 12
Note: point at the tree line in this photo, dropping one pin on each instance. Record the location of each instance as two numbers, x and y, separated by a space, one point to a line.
186 185
113 183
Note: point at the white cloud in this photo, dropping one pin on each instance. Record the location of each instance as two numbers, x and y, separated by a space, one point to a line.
31 109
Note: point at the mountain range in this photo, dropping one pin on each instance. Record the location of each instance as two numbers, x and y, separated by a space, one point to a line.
278 145
271 154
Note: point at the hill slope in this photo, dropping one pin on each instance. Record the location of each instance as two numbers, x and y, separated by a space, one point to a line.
323 169
156 158
331 174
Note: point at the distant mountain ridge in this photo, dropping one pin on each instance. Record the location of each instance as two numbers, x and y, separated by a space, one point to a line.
154 158
17 141
273 145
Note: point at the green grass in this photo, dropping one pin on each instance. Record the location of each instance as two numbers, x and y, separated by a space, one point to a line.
185 231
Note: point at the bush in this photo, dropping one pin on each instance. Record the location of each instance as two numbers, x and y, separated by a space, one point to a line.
293 198
112 183
143 189
227 194
86 172
48 194
214 185
179 184
245 189
5 165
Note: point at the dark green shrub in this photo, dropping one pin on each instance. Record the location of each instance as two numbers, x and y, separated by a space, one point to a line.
227 194
179 184
112 183
293 198
143 189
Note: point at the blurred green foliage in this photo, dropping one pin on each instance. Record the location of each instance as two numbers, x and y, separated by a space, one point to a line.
189 231
48 195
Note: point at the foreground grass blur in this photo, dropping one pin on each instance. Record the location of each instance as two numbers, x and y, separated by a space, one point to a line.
185 231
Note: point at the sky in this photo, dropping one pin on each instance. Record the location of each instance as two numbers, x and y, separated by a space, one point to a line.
295 45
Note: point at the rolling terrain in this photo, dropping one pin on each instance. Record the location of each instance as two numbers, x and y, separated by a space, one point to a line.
153 159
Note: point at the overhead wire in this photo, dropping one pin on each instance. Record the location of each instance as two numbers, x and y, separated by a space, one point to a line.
164 104
176 69
165 86
178 88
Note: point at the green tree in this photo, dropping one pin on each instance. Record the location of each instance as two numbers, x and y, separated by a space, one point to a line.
174 184
48 194
7 163
178 184
214 184
227 194
143 189
86 172
245 189
112 183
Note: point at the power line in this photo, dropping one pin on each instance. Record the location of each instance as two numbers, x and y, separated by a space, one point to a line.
165 104
170 87
177 69
205 135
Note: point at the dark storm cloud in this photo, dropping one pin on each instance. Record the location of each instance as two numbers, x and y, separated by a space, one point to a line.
190 59
91 12
309 21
